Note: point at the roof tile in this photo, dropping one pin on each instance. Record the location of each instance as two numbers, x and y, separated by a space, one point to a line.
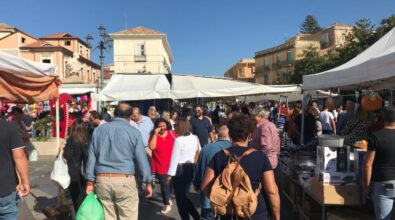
140 31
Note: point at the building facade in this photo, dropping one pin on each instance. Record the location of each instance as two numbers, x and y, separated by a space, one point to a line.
243 70
69 53
273 63
141 51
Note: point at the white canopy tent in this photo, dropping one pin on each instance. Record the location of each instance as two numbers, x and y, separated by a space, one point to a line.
374 67
143 87
188 86
135 87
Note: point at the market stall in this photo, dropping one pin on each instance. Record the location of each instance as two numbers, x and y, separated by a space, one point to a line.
142 87
23 81
328 173
375 67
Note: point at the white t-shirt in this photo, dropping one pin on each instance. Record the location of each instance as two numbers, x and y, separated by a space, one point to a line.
325 118
184 151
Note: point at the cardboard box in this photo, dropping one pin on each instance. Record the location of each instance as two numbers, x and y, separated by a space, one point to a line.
335 194
338 178
333 159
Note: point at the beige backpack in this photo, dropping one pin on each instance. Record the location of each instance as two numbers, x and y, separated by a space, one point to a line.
231 193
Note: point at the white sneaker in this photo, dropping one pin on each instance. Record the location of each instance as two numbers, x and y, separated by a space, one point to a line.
170 202
165 209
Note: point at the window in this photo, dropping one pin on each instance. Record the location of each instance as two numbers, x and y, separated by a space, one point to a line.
88 76
82 73
67 43
343 37
94 77
23 40
46 60
87 53
140 50
278 59
325 40
289 57
80 49
139 55
266 63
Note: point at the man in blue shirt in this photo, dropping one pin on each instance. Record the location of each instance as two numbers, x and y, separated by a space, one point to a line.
115 151
207 153
143 123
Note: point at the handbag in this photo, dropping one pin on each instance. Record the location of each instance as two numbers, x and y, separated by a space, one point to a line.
60 172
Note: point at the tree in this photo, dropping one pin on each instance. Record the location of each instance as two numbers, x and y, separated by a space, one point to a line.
364 35
310 64
310 25
386 25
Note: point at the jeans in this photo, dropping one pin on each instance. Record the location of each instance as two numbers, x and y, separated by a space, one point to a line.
182 183
164 188
206 212
383 199
9 207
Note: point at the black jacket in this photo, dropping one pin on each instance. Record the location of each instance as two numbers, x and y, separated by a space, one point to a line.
76 155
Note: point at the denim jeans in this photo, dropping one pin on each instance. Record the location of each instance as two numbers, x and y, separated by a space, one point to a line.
182 183
383 199
9 207
164 188
206 212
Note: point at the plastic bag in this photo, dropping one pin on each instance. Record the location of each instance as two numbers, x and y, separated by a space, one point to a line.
90 209
33 156
60 172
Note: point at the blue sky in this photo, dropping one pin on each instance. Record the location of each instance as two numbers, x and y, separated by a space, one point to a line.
206 36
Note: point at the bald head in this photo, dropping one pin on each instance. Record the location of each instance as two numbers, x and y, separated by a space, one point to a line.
223 132
123 110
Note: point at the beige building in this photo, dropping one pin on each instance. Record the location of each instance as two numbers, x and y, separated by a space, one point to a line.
243 70
69 53
141 50
274 62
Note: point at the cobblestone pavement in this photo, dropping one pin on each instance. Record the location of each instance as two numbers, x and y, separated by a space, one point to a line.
44 193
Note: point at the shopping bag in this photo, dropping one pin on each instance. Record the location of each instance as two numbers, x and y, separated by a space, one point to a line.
90 209
60 172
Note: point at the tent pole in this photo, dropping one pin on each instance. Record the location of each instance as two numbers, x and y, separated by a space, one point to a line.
57 125
303 113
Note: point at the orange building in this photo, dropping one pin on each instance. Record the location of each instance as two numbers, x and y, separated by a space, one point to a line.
69 53
243 70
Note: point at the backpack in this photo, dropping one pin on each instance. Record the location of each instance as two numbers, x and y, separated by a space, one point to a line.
231 193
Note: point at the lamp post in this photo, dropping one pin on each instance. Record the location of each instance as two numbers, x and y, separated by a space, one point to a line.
103 44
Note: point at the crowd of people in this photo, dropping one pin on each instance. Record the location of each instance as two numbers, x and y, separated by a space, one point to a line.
121 157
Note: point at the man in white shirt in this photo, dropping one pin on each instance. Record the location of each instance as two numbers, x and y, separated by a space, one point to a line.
143 123
328 122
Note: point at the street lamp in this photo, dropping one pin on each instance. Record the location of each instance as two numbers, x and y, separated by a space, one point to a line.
103 44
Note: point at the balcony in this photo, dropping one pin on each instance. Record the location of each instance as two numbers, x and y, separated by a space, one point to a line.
140 58
282 64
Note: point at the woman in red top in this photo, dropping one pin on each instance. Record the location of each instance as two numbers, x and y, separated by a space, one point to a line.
161 143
